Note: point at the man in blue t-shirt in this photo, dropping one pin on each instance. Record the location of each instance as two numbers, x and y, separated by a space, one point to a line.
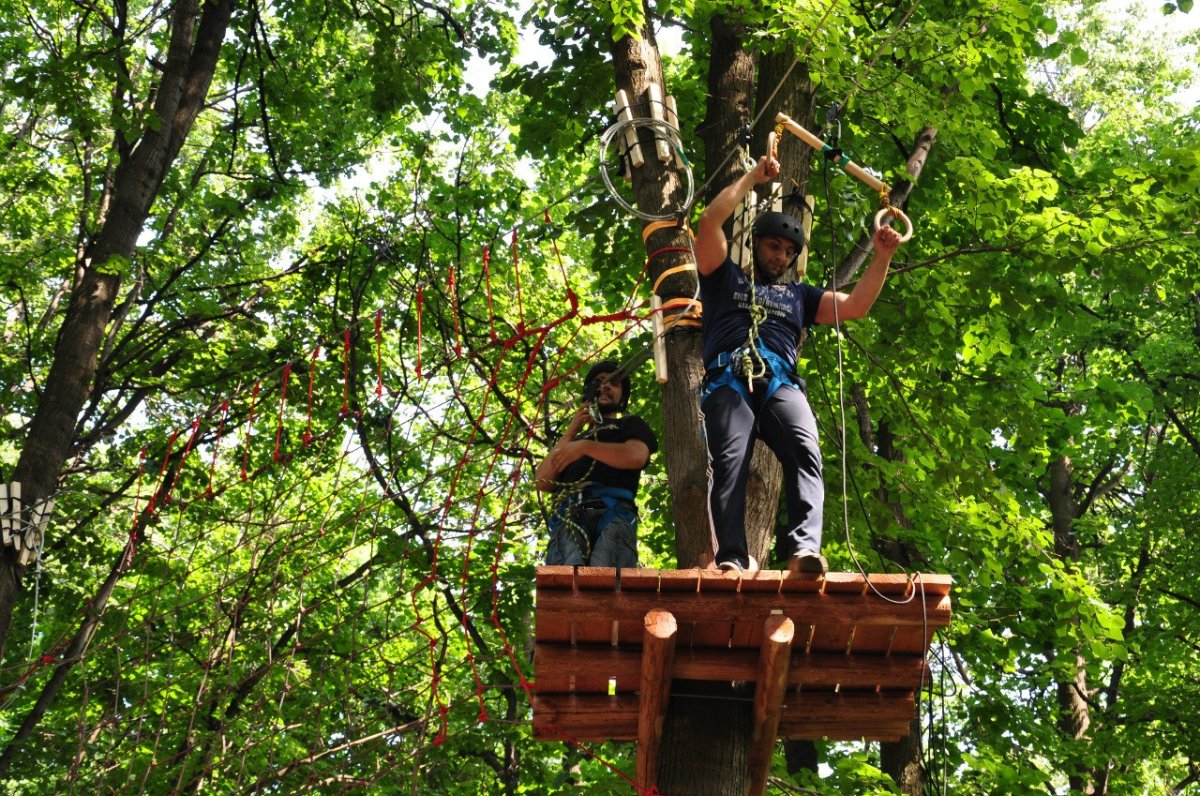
752 328
594 473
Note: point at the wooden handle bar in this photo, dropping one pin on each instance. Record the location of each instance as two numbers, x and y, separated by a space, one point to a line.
872 182
852 168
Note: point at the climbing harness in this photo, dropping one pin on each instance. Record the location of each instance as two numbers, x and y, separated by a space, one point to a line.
738 369
586 509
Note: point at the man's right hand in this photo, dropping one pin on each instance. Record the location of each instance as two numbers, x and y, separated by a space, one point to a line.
765 170
582 415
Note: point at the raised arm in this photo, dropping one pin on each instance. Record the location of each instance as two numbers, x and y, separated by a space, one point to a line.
838 306
711 246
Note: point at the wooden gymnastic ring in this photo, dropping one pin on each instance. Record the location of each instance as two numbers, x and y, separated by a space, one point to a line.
899 216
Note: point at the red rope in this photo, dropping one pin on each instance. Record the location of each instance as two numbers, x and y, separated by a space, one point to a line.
183 460
571 297
250 427
517 272
287 374
312 373
162 472
131 546
666 249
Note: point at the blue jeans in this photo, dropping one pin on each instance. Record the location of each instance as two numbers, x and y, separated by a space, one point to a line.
578 538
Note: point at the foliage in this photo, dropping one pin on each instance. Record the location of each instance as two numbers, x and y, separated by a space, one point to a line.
304 461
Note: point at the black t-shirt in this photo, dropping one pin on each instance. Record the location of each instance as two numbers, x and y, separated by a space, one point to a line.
725 294
620 429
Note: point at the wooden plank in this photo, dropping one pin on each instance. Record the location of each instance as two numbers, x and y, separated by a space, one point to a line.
582 612
871 639
851 713
640 579
887 731
671 579
658 654
801 583
916 640
845 716
830 635
715 607
585 719
857 671
933 584
595 578
677 585
554 663
749 634
681 580
771 684
547 628
721 585
556 577
560 669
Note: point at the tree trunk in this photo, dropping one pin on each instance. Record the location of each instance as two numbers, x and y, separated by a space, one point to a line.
657 187
902 761
784 87
706 735
730 101
706 739
191 60
1074 714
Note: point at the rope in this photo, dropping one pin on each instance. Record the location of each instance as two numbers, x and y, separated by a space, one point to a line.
672 137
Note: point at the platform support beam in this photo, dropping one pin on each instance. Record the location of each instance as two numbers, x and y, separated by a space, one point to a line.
773 662
658 659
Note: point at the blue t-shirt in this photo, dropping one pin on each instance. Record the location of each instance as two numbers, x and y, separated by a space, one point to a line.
725 294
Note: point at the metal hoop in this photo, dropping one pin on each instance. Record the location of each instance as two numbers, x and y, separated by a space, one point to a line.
672 136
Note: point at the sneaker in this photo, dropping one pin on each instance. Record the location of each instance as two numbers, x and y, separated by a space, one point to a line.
730 566
808 562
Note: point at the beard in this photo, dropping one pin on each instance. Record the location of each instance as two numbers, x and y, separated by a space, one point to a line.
763 276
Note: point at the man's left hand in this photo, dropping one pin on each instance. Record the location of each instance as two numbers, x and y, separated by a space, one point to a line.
886 239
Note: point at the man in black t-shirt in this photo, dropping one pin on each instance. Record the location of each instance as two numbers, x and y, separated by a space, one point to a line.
752 327
594 473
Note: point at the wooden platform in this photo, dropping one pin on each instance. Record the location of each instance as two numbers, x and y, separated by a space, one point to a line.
830 657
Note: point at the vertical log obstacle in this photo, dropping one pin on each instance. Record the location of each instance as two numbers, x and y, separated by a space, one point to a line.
829 657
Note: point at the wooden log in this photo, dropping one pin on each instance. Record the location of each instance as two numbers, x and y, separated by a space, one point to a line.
658 654
768 699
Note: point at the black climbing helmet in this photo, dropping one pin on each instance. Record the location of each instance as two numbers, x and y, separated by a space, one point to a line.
591 386
780 225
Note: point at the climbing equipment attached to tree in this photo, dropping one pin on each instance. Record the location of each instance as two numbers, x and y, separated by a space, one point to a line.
664 124
784 122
